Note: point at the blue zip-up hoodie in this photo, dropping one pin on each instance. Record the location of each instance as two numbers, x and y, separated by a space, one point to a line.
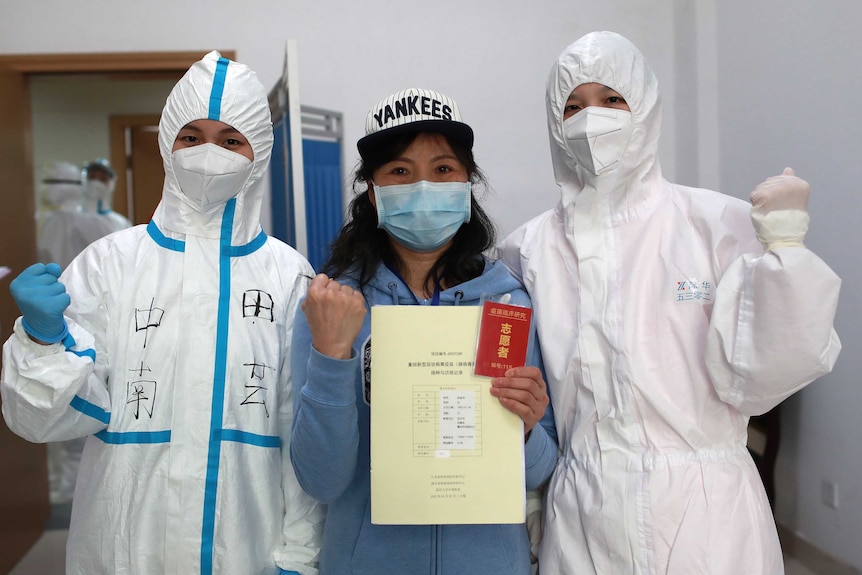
330 450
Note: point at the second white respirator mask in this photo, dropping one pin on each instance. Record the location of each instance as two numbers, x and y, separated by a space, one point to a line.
423 215
209 174
598 137
100 193
95 189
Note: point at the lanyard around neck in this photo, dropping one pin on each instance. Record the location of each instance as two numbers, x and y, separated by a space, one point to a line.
435 299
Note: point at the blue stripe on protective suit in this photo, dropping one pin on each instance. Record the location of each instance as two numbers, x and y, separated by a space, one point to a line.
119 438
164 241
252 246
217 434
218 89
69 342
250 438
91 409
217 411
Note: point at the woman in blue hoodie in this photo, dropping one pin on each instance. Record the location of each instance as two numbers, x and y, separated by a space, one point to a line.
416 236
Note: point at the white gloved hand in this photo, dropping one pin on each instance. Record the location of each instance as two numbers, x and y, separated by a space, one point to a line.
779 211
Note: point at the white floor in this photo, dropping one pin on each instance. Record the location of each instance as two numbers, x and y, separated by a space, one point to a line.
46 558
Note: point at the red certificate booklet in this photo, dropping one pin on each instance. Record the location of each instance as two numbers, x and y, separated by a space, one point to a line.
504 334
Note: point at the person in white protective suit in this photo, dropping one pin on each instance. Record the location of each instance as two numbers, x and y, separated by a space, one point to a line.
63 229
89 219
172 358
99 183
664 317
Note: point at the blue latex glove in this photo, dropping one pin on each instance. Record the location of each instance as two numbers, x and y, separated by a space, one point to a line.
41 299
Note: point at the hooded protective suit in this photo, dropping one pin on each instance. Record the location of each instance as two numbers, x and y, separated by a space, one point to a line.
63 227
99 197
177 369
63 230
664 327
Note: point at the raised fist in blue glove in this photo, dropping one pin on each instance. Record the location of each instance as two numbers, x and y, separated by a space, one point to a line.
41 299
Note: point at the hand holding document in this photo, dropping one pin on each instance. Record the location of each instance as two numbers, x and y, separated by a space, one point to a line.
443 449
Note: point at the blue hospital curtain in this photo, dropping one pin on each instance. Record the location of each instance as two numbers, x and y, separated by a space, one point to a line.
323 197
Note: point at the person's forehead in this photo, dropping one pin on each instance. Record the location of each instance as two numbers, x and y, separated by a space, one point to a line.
590 89
209 126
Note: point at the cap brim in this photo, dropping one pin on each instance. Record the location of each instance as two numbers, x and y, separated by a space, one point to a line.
457 131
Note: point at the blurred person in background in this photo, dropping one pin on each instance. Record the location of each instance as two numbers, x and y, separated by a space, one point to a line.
99 183
63 229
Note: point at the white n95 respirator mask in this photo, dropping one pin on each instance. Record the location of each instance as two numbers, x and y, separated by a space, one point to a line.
99 193
209 174
597 137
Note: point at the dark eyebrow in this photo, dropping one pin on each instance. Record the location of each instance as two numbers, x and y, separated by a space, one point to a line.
607 89
434 159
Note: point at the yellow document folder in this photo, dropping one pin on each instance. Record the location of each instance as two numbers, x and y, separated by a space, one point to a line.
443 449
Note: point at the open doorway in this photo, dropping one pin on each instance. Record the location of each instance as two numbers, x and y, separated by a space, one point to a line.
78 118
23 485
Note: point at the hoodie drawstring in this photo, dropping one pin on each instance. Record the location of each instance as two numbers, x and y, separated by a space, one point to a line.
393 291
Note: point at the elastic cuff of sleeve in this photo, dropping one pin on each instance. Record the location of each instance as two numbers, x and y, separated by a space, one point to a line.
786 244
327 377
45 338
780 227
536 441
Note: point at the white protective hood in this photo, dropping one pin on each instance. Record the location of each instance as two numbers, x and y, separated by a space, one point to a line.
215 88
610 59
61 188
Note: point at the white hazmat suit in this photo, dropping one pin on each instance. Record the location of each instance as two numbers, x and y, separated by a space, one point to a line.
99 196
177 369
663 326
63 227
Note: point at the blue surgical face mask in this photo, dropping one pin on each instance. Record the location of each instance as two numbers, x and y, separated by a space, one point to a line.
423 216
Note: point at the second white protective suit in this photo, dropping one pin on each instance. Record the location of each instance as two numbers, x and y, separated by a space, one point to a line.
663 327
177 369
63 227
99 195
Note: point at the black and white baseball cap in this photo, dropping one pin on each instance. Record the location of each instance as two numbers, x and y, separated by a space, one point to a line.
414 110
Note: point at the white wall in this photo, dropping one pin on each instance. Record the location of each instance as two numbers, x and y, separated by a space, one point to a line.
491 56
747 89
789 84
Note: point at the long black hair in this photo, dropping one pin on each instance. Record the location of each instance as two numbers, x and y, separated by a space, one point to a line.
361 246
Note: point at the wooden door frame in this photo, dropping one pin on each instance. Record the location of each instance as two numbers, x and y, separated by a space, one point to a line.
123 62
22 519
119 159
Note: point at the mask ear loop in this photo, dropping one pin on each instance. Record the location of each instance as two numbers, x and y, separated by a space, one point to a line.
375 201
